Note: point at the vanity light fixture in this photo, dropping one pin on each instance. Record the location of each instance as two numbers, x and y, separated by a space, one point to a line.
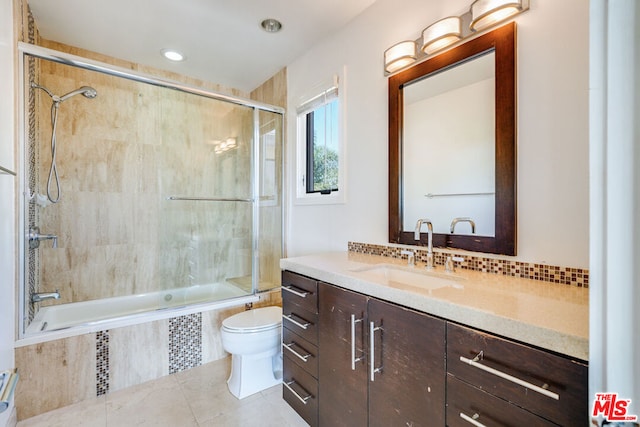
441 34
486 13
446 32
172 55
399 56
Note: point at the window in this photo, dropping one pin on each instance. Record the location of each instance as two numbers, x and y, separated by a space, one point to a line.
320 146
322 149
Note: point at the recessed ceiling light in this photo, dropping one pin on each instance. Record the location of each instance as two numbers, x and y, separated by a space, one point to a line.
271 25
172 55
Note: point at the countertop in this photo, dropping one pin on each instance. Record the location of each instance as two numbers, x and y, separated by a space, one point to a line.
547 315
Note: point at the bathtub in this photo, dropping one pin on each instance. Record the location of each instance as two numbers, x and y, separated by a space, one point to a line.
64 320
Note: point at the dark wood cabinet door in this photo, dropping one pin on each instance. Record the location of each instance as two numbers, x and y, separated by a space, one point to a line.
562 383
342 390
409 351
466 402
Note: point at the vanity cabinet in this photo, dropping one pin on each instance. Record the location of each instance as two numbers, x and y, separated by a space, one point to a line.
354 360
551 389
380 364
300 345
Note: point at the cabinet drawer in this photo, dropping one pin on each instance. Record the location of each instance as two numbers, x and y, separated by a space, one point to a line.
300 351
300 321
467 402
299 290
548 385
300 390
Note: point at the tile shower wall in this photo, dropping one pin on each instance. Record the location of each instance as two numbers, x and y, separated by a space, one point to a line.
112 150
120 156
547 273
62 372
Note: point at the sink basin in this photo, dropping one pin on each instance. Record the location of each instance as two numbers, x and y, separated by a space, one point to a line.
401 277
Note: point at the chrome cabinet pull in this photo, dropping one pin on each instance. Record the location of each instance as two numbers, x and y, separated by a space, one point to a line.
303 357
472 419
290 318
372 351
508 377
296 291
295 393
354 360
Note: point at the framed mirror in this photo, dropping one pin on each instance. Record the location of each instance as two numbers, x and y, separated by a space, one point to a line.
452 146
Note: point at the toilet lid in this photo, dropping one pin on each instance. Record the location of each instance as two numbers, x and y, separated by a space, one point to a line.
254 320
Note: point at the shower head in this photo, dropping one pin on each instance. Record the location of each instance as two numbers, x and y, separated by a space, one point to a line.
87 91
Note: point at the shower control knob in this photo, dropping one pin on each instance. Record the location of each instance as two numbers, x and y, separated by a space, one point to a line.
35 237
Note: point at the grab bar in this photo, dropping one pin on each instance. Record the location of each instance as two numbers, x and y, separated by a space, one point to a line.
208 199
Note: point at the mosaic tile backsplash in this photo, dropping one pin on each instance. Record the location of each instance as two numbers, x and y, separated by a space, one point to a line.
524 270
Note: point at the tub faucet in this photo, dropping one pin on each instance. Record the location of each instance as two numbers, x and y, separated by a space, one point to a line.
35 237
416 236
43 296
463 219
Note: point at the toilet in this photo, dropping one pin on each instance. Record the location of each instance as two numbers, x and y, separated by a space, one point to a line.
253 338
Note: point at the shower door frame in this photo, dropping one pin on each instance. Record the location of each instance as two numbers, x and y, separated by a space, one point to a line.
27 49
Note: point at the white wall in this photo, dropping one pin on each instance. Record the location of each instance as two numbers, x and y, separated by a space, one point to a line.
7 197
552 121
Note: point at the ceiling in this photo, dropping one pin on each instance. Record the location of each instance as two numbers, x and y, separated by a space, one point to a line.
221 39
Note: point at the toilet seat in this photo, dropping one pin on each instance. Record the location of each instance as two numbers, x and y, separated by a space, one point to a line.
251 321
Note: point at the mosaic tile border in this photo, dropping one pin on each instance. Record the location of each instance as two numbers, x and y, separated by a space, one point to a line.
547 273
185 342
102 363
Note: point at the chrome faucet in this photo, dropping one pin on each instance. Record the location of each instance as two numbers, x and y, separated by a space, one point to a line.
416 236
463 219
42 296
35 237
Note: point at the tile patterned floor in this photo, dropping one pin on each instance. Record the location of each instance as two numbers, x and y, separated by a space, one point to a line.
195 398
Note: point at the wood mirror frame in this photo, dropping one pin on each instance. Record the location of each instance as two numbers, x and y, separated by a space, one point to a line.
502 42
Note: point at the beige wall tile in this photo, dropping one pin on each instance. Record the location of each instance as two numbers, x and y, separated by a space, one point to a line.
138 353
55 374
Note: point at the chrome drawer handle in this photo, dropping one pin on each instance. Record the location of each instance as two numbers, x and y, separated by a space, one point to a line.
472 420
372 355
295 291
295 393
354 360
289 317
302 357
508 377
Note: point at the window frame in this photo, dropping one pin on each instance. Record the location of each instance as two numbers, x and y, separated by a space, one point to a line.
304 142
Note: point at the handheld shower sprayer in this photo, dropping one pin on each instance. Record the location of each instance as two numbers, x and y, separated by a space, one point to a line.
89 93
